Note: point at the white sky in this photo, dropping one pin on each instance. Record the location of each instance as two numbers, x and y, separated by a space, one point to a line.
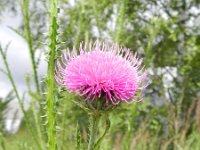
19 62
18 56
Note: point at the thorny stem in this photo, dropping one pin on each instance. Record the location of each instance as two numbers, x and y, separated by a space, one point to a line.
50 101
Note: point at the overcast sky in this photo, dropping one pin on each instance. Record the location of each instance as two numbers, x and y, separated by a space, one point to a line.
18 55
19 62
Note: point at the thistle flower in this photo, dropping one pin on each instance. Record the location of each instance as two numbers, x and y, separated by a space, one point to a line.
101 71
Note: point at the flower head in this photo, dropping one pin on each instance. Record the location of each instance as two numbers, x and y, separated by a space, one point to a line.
101 71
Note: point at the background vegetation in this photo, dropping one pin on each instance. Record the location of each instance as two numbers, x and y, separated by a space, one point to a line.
166 33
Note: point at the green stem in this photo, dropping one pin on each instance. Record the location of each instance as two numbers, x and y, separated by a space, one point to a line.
64 118
106 130
51 90
94 120
29 38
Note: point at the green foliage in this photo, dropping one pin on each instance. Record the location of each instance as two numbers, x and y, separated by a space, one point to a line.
139 25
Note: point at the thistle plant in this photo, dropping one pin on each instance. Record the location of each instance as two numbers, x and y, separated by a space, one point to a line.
105 75
51 91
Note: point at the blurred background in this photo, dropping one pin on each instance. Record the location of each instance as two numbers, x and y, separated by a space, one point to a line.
165 33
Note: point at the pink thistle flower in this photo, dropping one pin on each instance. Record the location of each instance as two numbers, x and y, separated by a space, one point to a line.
101 71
